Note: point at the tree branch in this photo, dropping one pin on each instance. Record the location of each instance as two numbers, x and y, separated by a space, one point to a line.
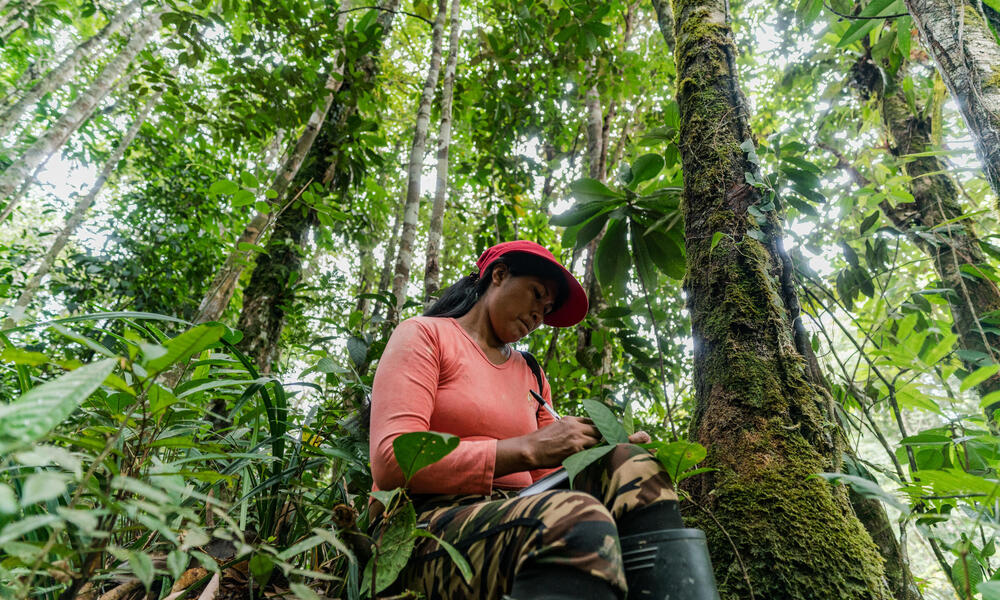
858 18
395 12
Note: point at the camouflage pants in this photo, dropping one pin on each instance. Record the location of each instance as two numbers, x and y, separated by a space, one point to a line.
502 533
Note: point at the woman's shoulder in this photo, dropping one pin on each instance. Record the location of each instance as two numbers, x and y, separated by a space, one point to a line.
432 328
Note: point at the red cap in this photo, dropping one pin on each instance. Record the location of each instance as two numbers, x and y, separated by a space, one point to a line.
574 307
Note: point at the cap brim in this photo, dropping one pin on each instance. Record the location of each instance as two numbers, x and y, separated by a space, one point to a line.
574 308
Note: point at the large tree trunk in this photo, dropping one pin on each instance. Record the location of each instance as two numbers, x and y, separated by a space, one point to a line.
935 202
83 204
271 287
65 70
968 58
411 211
756 412
432 268
78 112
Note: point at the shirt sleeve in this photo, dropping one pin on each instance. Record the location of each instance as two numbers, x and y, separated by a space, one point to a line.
544 418
403 395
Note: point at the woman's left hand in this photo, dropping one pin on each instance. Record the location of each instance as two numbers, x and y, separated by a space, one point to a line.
639 437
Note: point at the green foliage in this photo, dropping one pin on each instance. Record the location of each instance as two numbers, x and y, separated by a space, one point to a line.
420 449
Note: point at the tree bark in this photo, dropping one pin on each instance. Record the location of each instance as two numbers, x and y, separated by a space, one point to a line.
5 19
665 21
756 411
223 286
432 268
411 211
271 288
65 70
597 360
79 212
78 112
935 202
968 58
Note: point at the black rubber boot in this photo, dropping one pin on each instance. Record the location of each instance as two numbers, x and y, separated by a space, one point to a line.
663 561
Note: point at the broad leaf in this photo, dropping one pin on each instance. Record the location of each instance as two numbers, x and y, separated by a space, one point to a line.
678 457
581 460
419 449
612 264
182 347
861 27
43 486
645 168
666 254
395 545
606 422
43 407
592 190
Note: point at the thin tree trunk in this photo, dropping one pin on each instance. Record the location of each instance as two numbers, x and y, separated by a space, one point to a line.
587 354
968 58
389 258
756 411
23 6
432 268
404 259
80 211
65 70
665 21
79 111
271 287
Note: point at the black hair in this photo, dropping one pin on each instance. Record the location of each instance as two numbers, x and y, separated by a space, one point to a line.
462 295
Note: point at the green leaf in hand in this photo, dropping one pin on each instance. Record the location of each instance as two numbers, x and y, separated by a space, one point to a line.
606 422
420 449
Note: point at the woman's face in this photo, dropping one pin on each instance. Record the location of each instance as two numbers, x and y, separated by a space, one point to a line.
517 305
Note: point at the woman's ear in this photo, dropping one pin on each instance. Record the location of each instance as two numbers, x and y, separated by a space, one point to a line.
500 272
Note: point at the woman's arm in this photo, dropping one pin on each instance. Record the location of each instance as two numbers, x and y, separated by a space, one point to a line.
403 396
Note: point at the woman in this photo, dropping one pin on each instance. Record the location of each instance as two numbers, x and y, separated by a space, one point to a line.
453 370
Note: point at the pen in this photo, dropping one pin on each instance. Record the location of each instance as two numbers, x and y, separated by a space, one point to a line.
544 404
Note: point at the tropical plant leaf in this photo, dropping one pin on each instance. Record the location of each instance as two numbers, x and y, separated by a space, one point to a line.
612 263
43 407
420 449
182 347
606 422
581 460
645 168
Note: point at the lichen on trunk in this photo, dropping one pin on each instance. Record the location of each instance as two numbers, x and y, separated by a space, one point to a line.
757 413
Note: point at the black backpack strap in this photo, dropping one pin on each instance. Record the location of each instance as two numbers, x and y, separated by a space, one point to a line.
533 365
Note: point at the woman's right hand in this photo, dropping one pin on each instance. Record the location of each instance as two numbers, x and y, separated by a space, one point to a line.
546 447
551 444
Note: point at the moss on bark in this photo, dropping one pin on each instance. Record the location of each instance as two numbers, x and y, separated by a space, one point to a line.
757 412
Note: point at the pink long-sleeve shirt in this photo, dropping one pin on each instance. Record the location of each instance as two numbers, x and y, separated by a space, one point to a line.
434 377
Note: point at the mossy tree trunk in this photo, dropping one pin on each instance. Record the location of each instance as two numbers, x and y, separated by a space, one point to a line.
272 283
758 415
934 223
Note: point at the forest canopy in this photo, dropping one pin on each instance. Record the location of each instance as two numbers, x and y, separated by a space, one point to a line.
214 213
